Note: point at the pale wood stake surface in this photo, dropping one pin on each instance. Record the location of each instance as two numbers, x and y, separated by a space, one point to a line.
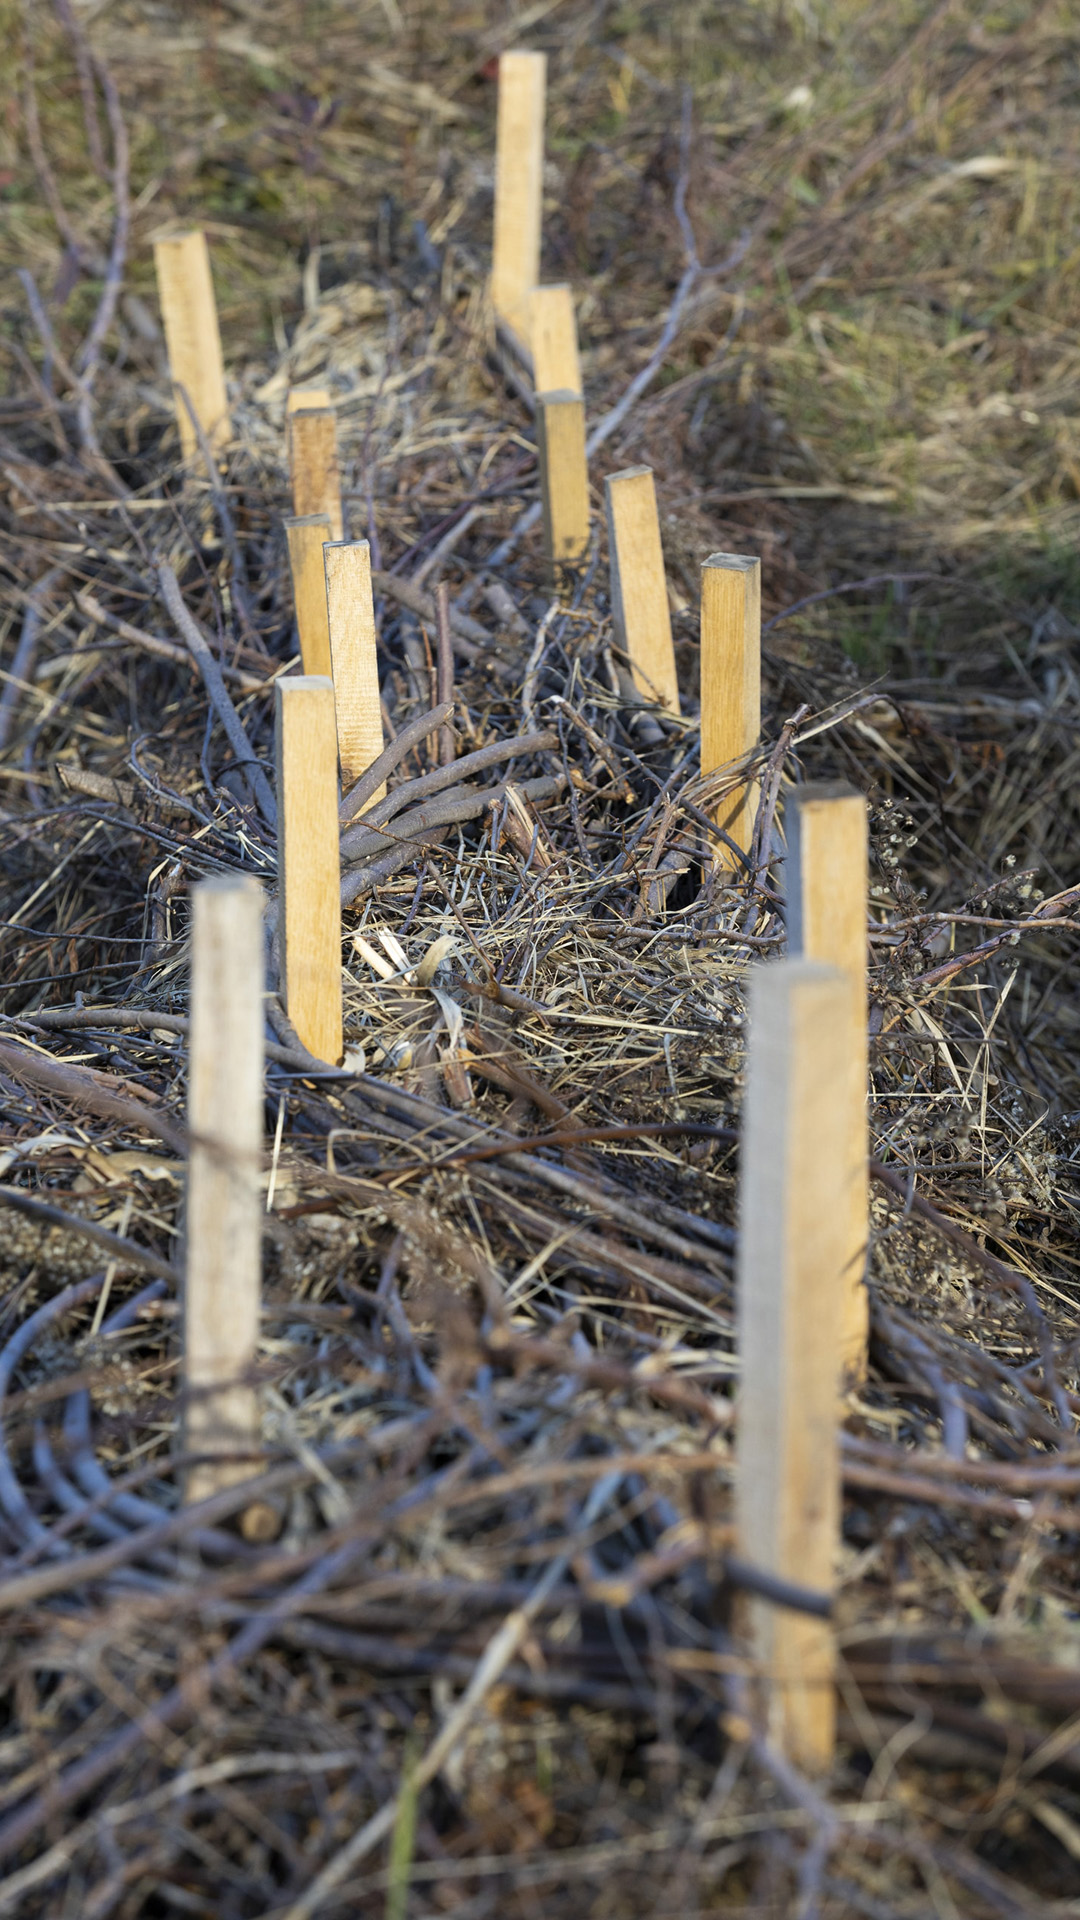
731 684
519 180
193 339
355 657
309 879
307 400
564 478
827 858
313 466
554 342
224 1221
639 600
307 538
792 1230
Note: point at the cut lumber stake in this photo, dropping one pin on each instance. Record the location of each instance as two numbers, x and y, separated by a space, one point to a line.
827 856
192 339
564 479
639 599
307 538
553 339
308 863
519 179
313 466
224 1201
307 400
731 686
354 653
792 1201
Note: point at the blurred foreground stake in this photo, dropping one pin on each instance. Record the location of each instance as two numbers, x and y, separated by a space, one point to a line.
792 1246
193 340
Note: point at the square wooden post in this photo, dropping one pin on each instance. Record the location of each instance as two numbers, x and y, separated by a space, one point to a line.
309 866
731 685
639 601
313 466
554 342
564 479
192 339
355 655
306 539
519 181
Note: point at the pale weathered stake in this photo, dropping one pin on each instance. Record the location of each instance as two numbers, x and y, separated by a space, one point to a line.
309 867
313 466
519 180
564 478
827 856
224 1213
355 657
307 538
639 601
731 685
192 339
554 342
792 1211
306 400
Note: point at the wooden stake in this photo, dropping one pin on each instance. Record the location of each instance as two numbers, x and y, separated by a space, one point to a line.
564 478
553 339
307 538
731 685
639 598
354 652
224 1225
827 857
309 876
192 338
519 179
313 466
792 1204
307 400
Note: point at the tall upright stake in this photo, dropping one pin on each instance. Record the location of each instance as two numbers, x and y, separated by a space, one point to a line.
309 866
639 599
354 652
519 180
792 1203
827 858
224 1224
192 338
553 339
564 479
731 685
307 538
313 466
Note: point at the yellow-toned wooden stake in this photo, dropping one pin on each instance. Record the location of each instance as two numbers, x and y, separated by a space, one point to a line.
306 400
564 478
224 1226
307 538
639 600
519 179
309 868
792 1201
192 338
731 685
313 466
355 655
827 859
553 339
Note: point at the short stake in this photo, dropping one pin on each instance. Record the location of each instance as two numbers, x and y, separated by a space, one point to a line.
827 856
307 538
224 1218
639 599
313 466
354 652
791 1252
731 686
192 339
554 342
309 867
519 179
564 479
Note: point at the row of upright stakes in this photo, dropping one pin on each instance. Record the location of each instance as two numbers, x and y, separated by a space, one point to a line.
802 1301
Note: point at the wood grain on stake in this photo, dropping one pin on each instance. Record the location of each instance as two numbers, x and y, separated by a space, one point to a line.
313 466
553 339
354 653
792 1245
306 539
192 338
519 178
564 478
224 1225
827 921
308 861
731 684
639 600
